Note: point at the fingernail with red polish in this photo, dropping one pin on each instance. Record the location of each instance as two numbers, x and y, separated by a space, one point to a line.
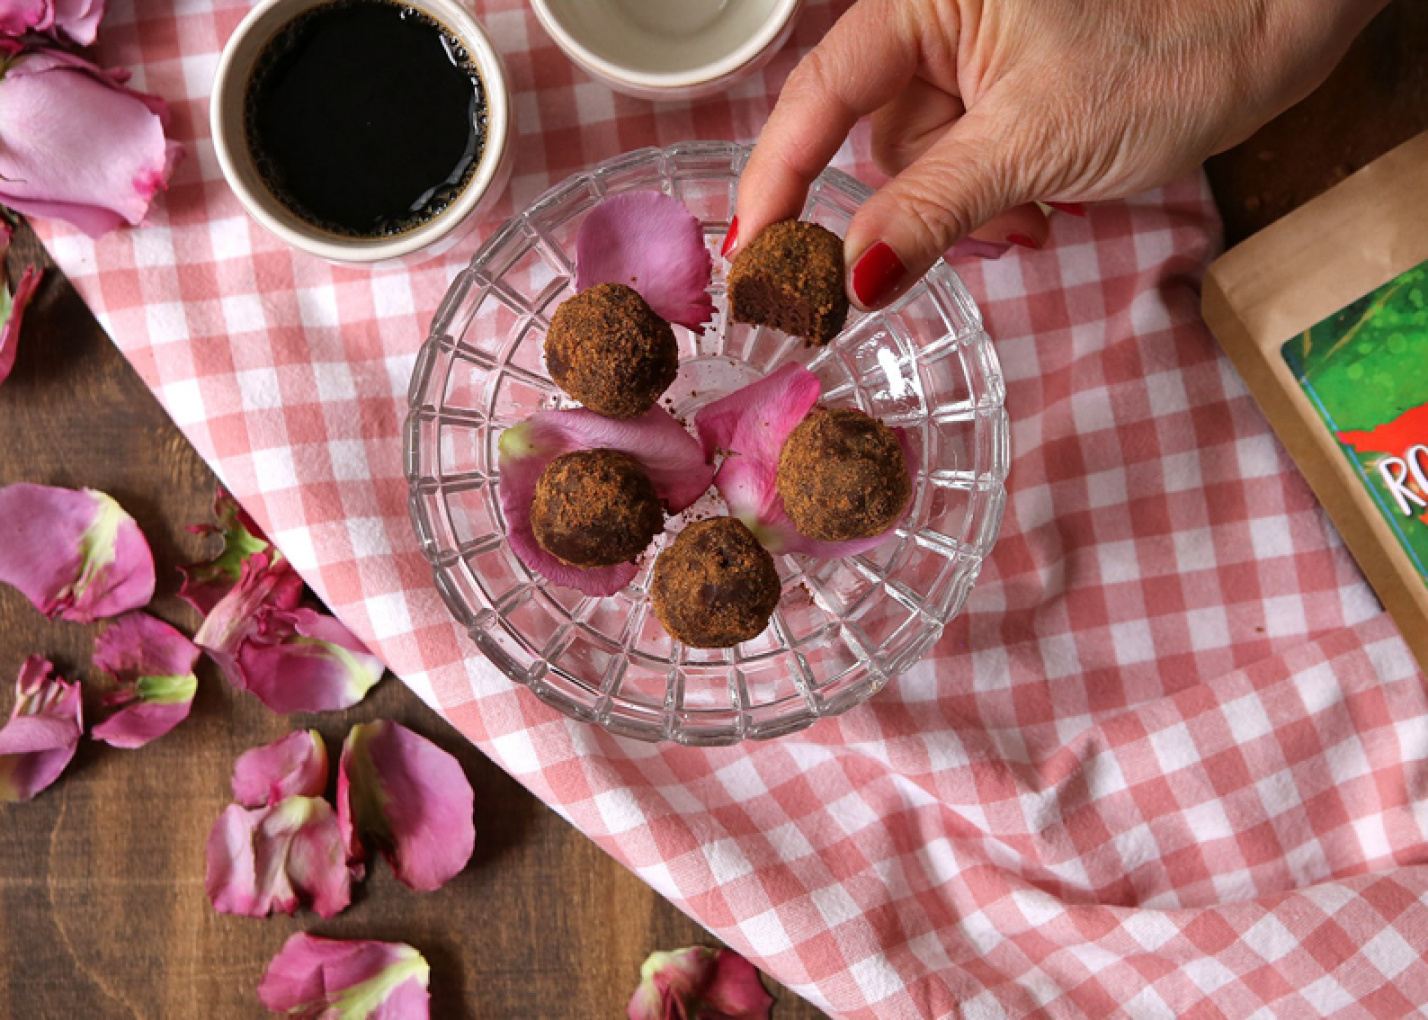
731 238
876 275
1073 208
1022 241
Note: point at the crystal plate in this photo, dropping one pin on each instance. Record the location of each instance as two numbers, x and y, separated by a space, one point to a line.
844 628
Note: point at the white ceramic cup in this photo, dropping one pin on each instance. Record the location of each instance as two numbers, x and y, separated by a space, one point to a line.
226 120
668 49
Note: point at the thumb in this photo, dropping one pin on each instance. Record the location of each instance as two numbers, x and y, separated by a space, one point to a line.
969 175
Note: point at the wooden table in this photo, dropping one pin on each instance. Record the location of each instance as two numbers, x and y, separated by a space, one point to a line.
102 909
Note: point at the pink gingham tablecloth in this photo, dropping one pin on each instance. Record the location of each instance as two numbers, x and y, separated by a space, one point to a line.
1169 762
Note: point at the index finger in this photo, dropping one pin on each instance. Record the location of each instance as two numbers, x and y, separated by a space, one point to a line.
861 64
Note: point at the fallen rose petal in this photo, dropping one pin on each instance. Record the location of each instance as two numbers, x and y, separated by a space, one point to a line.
205 583
75 20
20 16
409 797
73 553
44 729
296 765
672 458
303 661
654 244
275 858
12 315
265 580
100 164
314 978
154 666
699 984
748 428
292 659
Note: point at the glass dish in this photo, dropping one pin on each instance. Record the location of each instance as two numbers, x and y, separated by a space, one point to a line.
844 628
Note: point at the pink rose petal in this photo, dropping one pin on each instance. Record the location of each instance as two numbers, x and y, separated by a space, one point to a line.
748 428
12 314
712 984
73 553
276 858
300 660
295 765
652 243
409 797
206 582
44 729
265 580
99 165
20 16
313 978
293 659
154 666
77 20
669 454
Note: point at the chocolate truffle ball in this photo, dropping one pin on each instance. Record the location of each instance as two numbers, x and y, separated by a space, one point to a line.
842 475
715 586
595 508
610 351
790 277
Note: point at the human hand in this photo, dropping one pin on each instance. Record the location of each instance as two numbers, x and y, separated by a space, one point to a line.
981 107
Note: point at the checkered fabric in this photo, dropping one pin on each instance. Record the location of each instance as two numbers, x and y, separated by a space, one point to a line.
1170 761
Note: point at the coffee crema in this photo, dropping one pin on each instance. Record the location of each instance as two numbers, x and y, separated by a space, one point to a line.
365 118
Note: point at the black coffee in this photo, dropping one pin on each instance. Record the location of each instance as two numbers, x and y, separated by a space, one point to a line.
366 118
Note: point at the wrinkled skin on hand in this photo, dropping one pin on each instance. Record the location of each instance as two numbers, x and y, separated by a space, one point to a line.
982 107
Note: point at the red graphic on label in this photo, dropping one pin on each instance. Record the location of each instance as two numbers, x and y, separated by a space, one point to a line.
1401 451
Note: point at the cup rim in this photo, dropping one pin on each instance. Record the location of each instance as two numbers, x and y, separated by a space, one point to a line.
228 137
747 52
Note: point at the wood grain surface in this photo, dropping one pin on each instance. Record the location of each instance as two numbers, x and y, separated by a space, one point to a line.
102 910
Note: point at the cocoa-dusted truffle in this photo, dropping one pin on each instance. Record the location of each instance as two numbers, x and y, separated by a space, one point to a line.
842 475
715 586
790 277
595 508
610 351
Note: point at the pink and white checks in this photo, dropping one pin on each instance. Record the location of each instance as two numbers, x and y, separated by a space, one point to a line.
1169 762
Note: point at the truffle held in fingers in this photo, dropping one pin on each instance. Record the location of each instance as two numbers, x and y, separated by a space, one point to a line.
790 277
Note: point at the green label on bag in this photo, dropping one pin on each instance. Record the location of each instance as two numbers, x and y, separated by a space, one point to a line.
1365 369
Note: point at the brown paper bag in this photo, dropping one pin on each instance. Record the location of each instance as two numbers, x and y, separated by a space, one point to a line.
1325 314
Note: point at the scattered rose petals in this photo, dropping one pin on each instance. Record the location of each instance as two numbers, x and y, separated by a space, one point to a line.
44 729
409 797
12 314
74 20
154 666
205 583
293 659
670 455
651 242
325 979
296 765
699 984
100 164
273 858
73 553
749 427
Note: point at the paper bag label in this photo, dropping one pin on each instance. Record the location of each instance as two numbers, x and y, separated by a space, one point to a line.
1365 369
